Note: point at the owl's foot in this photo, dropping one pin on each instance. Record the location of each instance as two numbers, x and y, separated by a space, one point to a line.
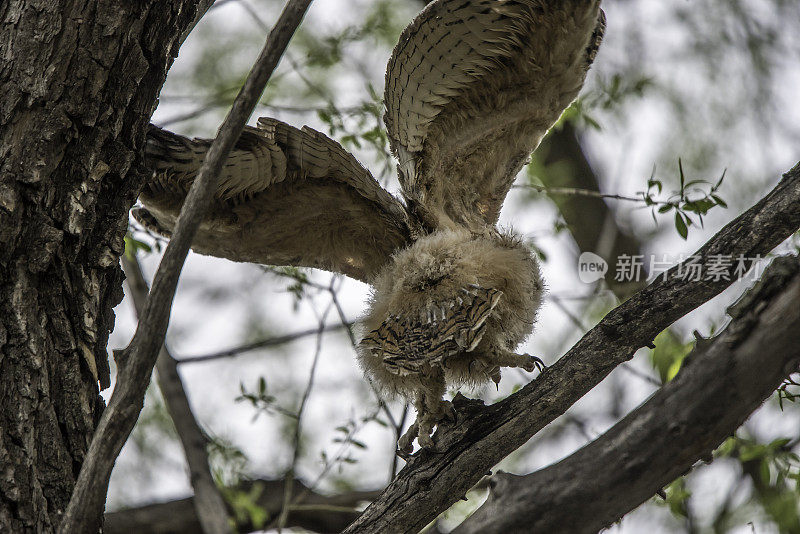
429 415
533 363
506 358
421 430
429 419
405 445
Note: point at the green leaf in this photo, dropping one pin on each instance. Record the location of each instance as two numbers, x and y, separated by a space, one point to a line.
764 471
753 452
132 245
680 225
719 201
719 182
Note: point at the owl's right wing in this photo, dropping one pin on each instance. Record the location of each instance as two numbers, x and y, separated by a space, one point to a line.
471 88
286 196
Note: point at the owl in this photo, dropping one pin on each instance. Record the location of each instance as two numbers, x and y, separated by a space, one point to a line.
471 88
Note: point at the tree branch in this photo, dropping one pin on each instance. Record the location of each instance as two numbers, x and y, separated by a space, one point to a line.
318 513
484 435
208 502
722 381
136 362
263 343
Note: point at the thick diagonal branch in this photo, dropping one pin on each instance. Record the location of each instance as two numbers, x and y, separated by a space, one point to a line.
721 383
137 361
484 435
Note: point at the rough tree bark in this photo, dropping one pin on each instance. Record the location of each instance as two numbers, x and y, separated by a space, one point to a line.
78 83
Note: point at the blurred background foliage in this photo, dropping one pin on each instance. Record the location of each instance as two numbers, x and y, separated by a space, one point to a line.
682 94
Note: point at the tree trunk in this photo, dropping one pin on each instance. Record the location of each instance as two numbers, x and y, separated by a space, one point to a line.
78 83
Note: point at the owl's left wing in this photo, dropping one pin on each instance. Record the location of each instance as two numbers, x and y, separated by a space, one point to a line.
287 196
471 88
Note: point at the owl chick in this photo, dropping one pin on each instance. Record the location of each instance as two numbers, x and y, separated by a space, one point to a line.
449 311
471 88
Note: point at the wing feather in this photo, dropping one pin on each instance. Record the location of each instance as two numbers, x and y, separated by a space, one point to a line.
410 345
286 196
471 88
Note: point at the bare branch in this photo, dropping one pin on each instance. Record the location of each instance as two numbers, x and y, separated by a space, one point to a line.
268 342
318 513
136 362
721 383
208 502
483 435
589 193
298 427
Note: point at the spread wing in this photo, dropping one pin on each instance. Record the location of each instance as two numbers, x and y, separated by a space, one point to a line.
471 88
286 197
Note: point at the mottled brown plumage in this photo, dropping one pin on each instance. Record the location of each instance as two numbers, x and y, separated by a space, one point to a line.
471 88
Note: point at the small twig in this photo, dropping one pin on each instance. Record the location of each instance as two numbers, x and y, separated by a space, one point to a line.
136 363
208 502
332 289
319 508
268 342
346 443
573 191
344 322
381 404
298 428
639 374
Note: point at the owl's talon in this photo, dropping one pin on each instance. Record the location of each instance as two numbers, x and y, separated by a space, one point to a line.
495 376
533 363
